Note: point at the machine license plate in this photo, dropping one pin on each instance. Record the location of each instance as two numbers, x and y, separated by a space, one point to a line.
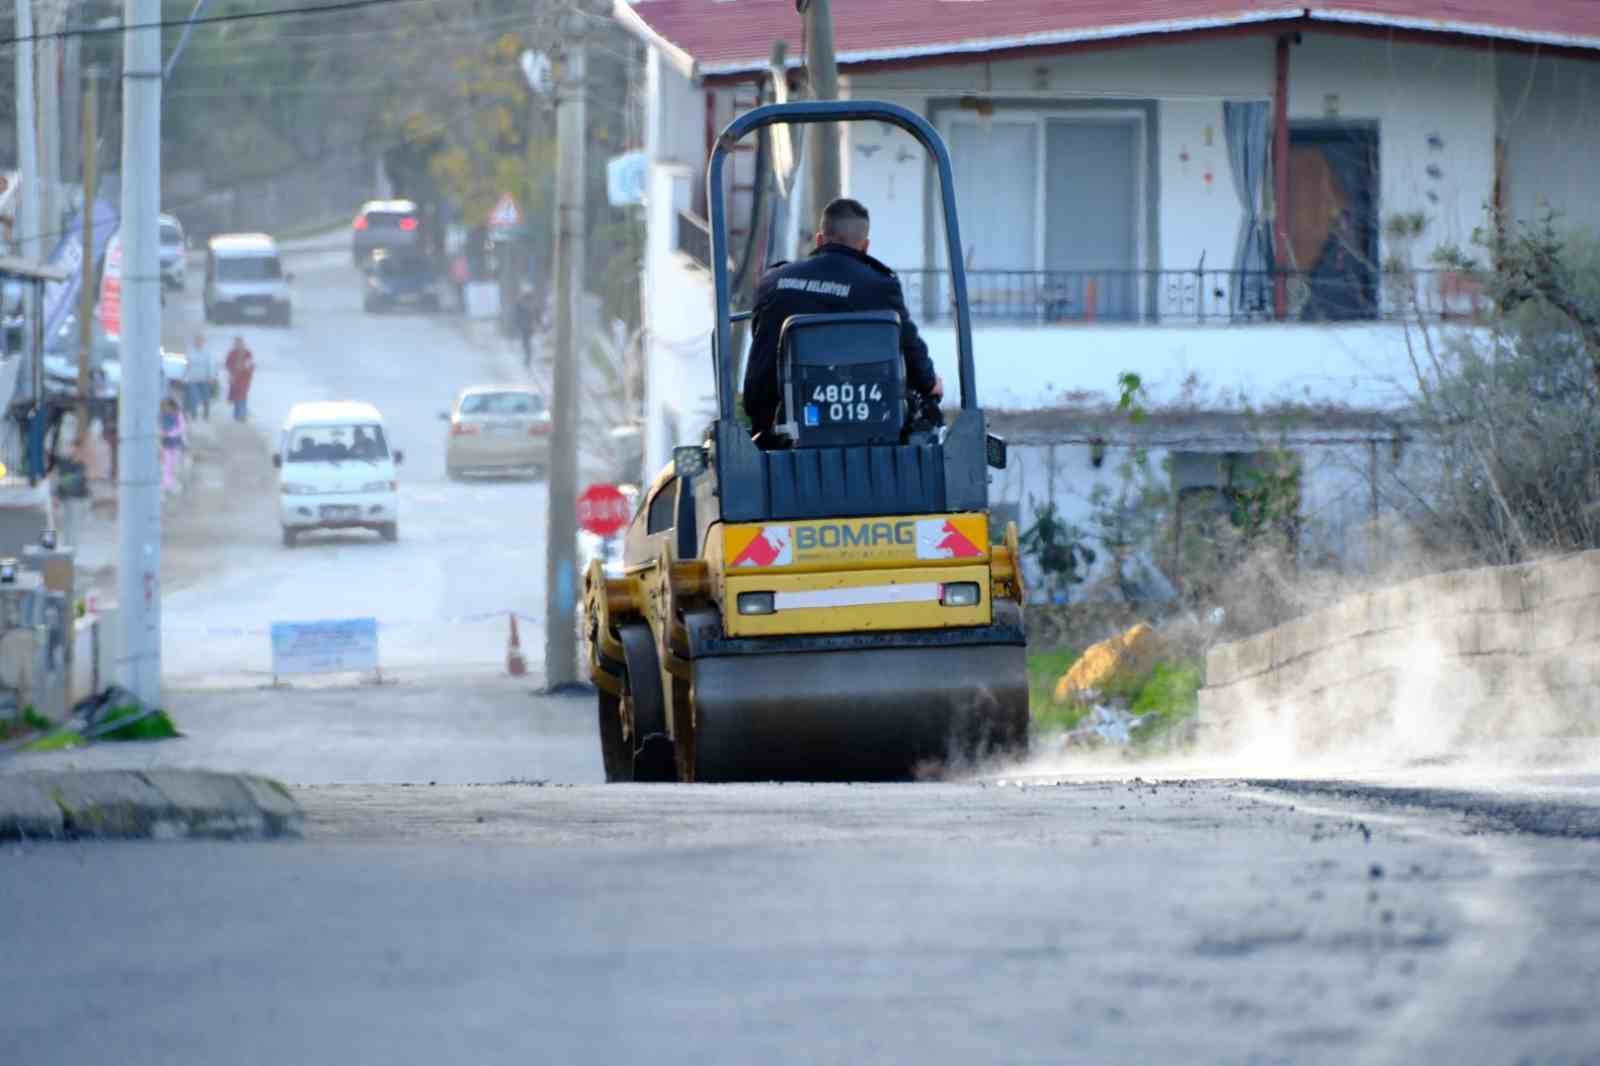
503 431
340 511
255 309
850 396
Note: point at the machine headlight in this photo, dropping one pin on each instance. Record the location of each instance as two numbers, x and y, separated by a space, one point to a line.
378 486
959 594
291 488
756 603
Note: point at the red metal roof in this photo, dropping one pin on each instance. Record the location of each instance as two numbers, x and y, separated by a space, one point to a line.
732 36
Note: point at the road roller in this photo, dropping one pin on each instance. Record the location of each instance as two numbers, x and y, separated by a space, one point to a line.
833 603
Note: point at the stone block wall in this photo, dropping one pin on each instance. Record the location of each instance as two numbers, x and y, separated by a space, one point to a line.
1455 658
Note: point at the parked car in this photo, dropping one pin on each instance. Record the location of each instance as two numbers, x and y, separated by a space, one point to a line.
396 278
11 300
336 471
245 279
497 428
174 253
384 224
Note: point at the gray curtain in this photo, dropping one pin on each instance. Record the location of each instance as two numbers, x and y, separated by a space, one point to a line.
1245 123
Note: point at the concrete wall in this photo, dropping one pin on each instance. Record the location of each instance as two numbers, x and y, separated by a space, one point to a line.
1418 668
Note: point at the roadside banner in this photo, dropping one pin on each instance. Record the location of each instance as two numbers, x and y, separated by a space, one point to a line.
61 297
347 645
110 308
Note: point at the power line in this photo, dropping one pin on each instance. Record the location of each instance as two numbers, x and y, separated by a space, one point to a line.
238 16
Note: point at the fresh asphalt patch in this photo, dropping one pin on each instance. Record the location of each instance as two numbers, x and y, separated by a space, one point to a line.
1558 812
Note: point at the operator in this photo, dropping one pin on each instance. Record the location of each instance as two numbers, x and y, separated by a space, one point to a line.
837 276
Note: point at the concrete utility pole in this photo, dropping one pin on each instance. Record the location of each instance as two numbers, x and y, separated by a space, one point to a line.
561 577
139 481
86 290
30 215
52 17
823 149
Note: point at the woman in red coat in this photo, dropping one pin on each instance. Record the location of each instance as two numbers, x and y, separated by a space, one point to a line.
241 368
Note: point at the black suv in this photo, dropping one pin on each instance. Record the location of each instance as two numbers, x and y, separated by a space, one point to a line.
400 278
384 224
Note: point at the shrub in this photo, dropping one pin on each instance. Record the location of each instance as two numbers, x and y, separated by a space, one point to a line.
1515 407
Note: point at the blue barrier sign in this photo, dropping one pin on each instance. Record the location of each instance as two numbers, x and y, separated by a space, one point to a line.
329 647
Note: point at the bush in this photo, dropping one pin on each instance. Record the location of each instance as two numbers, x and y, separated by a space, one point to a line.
1515 407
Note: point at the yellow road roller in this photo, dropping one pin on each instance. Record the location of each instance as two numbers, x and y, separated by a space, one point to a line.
834 604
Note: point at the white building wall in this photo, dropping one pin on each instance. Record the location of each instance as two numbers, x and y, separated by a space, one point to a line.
1024 368
679 387
1550 121
1412 91
1337 477
1415 93
674 115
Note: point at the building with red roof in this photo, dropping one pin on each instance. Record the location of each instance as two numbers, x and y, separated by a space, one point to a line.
1199 191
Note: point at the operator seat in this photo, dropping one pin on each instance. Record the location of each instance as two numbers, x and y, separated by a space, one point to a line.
842 380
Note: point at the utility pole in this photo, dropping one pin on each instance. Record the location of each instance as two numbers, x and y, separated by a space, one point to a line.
823 73
561 578
52 17
86 290
30 216
139 480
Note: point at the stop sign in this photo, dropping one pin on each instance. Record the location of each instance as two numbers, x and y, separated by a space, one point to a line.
602 510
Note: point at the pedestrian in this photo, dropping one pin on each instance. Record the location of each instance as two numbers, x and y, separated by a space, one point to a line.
173 433
108 433
525 323
460 274
197 377
241 367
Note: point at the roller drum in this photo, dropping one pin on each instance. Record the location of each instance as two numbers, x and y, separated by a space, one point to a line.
858 714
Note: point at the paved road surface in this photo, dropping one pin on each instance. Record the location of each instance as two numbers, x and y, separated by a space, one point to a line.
1438 915
1112 922
469 552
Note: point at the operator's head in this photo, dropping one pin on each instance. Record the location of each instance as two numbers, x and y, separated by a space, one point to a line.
844 221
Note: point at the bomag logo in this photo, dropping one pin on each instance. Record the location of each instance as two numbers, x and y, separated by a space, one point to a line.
823 545
866 535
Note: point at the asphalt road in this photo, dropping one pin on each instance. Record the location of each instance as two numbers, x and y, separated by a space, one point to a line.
470 553
1122 922
465 892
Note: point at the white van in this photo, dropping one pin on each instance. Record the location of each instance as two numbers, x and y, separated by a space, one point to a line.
245 280
336 471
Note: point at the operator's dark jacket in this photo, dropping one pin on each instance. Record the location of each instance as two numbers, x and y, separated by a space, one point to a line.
833 278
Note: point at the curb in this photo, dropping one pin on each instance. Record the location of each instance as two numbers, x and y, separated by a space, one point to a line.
144 804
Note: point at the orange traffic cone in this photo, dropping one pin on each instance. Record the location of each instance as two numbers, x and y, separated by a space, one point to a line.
516 663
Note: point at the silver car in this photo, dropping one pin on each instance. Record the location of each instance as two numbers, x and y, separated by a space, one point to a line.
174 253
497 428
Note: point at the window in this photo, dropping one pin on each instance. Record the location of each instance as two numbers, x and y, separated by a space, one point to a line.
503 403
249 268
390 220
1053 210
334 444
171 234
662 506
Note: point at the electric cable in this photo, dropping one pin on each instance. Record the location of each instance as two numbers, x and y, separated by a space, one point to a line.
209 20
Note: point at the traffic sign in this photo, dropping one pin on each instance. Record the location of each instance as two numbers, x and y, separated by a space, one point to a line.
603 510
505 213
625 179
